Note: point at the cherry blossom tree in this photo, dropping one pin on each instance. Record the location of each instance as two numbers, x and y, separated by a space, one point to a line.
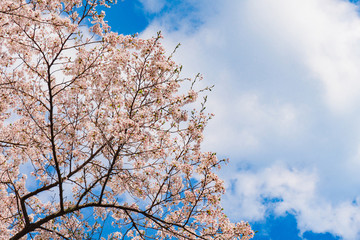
96 137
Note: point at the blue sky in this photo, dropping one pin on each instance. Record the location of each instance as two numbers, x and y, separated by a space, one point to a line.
286 100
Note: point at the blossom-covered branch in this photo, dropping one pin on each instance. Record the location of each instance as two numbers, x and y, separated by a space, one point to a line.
93 126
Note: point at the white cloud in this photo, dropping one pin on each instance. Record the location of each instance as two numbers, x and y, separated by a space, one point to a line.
255 119
291 191
326 36
287 90
153 6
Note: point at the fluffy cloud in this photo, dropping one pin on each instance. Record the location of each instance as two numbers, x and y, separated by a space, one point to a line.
281 190
253 122
287 86
325 34
153 6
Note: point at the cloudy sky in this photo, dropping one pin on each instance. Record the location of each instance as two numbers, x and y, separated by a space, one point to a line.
286 100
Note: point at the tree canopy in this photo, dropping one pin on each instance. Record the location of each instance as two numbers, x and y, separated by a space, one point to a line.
95 133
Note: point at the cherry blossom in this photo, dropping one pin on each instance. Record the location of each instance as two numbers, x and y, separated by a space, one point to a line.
94 132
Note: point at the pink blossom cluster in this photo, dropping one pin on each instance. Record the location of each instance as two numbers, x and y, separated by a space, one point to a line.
94 121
